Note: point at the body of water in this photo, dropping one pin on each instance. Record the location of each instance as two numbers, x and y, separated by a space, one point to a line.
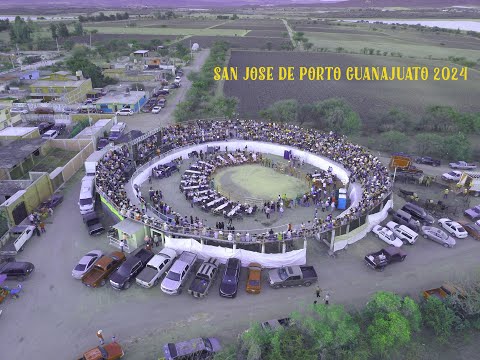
447 24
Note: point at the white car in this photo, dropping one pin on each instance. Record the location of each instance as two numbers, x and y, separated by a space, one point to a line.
50 134
453 227
452 176
18 111
387 235
407 235
125 112
86 263
156 109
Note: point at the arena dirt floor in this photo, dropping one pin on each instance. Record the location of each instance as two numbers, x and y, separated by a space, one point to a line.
229 184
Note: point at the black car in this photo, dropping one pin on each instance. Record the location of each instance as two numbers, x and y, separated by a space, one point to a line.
122 278
380 259
229 285
43 127
16 270
102 142
53 202
427 160
92 220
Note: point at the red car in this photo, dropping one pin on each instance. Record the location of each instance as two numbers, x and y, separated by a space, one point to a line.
112 351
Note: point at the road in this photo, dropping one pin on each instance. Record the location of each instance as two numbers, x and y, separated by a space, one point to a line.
148 121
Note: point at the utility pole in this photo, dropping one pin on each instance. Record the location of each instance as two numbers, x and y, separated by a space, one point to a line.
90 39
58 48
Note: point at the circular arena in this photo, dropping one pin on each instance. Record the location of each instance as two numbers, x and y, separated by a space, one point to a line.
195 188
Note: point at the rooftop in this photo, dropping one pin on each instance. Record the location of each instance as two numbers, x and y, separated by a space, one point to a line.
10 187
16 151
59 83
141 52
121 97
17 131
128 226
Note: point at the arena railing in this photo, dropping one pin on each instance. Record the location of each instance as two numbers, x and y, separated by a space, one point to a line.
258 236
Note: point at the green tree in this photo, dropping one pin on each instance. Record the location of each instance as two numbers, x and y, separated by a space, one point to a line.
53 30
269 45
78 29
255 343
396 119
429 144
308 45
234 17
281 111
387 333
224 106
338 116
457 146
439 318
89 70
392 140
63 30
21 31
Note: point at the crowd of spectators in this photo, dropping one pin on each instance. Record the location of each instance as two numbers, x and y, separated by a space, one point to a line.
364 168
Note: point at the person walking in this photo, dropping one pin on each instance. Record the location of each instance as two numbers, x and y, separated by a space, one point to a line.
445 193
327 298
318 291
281 211
122 245
42 227
100 337
37 230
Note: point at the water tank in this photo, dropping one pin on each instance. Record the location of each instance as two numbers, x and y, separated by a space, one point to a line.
195 47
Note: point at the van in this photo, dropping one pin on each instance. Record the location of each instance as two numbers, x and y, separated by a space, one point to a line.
86 201
116 131
418 213
404 218
403 233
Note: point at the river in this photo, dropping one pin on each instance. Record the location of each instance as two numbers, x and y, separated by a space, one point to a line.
465 25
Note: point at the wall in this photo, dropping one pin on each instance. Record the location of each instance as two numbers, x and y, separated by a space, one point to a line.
86 148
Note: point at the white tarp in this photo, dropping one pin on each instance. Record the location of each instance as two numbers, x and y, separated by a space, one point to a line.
295 257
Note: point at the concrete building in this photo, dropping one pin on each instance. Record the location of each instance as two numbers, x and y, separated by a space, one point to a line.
19 132
141 53
61 86
17 156
116 101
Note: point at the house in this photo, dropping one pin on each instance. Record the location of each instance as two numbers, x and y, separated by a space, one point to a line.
19 132
153 63
30 75
115 101
61 85
5 117
141 53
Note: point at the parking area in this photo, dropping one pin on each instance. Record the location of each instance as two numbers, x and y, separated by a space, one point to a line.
58 315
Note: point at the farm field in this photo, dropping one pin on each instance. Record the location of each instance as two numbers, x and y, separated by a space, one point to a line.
408 41
368 98
150 23
239 42
167 31
98 38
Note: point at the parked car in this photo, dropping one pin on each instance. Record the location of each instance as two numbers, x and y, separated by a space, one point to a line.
404 218
122 278
50 134
166 90
230 278
177 275
15 239
272 325
204 279
439 236
199 348
16 269
381 259
473 230
473 213
292 276
408 236
111 351
453 227
156 109
254 281
418 213
86 263
102 142
18 111
53 201
452 176
444 291
156 267
162 102
427 160
124 112
462 165
387 236
92 220
44 110
45 126
101 270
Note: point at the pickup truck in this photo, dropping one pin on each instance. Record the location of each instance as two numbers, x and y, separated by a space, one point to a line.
443 291
15 239
112 351
92 220
292 276
204 279
16 269
156 267
97 276
178 273
380 259
122 277
462 165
